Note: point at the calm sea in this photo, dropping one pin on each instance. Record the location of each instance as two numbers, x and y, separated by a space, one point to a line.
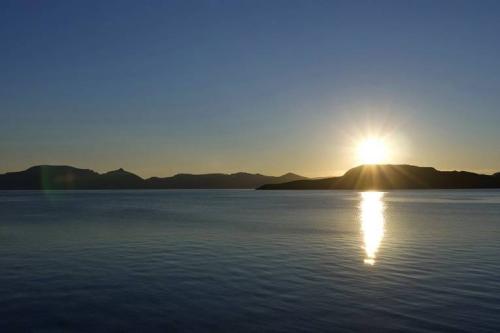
243 260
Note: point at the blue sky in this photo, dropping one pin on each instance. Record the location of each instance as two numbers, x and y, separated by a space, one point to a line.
160 87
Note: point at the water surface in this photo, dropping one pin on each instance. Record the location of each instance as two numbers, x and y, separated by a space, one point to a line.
231 260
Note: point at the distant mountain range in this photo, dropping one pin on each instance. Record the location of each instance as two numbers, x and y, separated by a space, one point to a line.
364 177
387 177
68 178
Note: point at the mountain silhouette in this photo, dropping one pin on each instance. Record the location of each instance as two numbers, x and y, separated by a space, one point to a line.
119 179
387 177
364 177
219 180
66 178
52 177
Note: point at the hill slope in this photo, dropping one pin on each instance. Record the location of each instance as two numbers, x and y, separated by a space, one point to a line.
386 177
67 177
219 180
48 176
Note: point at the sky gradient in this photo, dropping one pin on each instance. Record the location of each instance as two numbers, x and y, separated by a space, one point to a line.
160 87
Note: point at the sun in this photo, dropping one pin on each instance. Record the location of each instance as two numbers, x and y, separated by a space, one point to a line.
372 151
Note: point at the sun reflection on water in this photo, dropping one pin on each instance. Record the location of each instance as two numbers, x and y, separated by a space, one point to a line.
372 223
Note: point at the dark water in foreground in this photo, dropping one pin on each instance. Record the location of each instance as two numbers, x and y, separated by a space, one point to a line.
249 261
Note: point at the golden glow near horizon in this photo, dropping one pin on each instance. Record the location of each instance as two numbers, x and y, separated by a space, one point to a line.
372 151
372 223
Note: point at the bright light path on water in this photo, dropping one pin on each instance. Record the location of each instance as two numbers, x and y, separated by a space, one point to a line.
372 223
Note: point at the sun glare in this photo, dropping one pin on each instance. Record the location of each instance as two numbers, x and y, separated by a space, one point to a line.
372 151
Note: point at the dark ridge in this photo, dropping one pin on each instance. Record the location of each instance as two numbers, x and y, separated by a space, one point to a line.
218 180
292 176
49 177
120 179
305 184
387 177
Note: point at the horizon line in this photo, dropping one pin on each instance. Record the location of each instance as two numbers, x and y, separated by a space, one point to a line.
481 172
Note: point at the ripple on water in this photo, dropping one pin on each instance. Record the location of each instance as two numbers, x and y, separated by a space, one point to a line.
250 261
